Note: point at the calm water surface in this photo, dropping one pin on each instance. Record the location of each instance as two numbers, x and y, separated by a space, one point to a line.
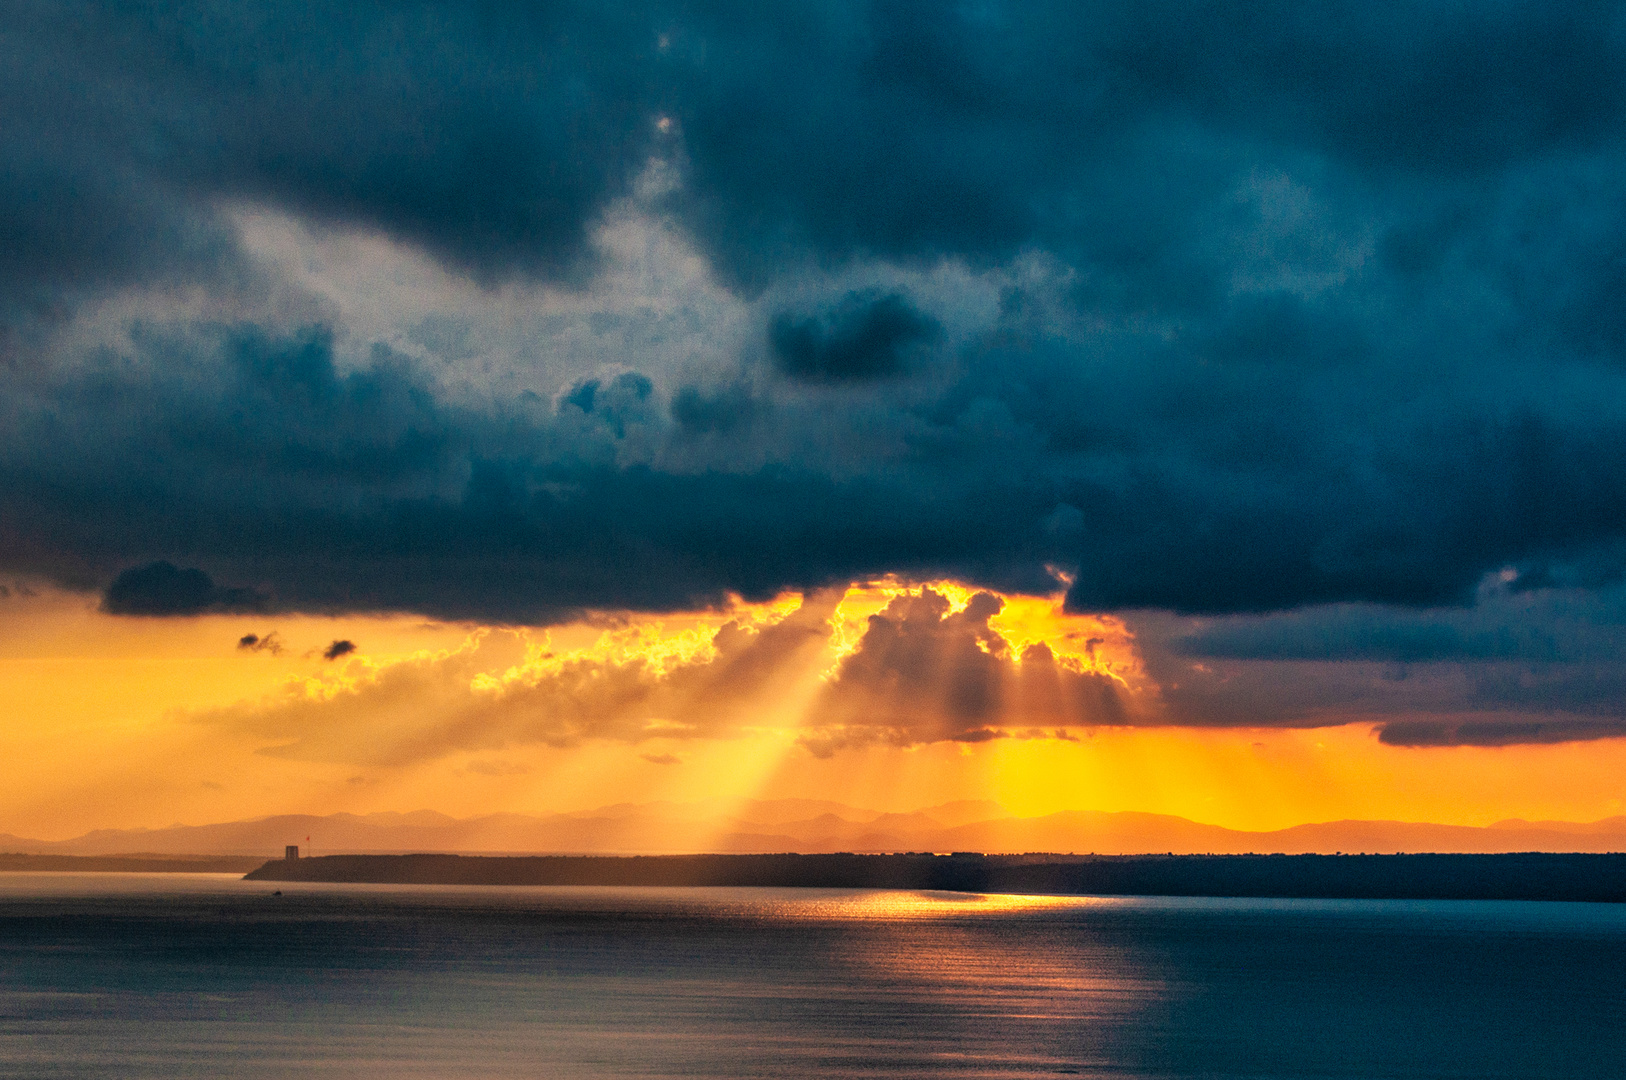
190 976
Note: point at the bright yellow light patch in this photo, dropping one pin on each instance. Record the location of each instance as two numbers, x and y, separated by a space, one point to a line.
102 729
1095 643
661 643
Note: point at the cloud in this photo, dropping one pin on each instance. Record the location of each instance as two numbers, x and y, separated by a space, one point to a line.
913 667
910 128
161 588
338 648
270 643
918 674
1519 666
335 478
923 672
1499 731
409 121
865 336
662 759
433 704
896 130
1304 318
271 462
1506 623
698 411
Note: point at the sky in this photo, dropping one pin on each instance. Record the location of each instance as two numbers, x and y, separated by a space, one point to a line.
1208 409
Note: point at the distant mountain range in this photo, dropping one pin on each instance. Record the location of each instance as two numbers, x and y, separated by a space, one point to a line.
803 825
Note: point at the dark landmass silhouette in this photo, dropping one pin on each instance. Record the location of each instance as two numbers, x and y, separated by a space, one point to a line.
818 826
1527 876
129 864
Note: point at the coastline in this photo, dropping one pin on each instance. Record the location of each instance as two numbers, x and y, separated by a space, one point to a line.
1526 876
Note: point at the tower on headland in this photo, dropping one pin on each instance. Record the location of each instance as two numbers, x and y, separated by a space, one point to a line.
291 852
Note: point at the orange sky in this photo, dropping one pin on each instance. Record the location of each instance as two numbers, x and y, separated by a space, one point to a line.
120 722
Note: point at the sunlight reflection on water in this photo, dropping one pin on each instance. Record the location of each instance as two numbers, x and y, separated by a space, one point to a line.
926 905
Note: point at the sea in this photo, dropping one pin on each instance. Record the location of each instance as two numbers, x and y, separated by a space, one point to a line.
115 975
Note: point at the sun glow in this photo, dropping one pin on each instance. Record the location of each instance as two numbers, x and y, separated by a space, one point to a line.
1096 643
150 721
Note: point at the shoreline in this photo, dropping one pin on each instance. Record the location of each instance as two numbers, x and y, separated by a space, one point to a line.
1526 876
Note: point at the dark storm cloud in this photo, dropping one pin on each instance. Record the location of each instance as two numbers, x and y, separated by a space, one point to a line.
162 588
1516 667
1505 624
491 133
865 336
360 490
1300 304
486 134
1460 702
1100 130
1516 731
697 411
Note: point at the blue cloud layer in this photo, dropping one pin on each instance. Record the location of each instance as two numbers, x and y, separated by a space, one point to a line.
1289 305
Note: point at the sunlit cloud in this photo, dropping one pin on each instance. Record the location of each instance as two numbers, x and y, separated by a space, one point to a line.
147 722
891 662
